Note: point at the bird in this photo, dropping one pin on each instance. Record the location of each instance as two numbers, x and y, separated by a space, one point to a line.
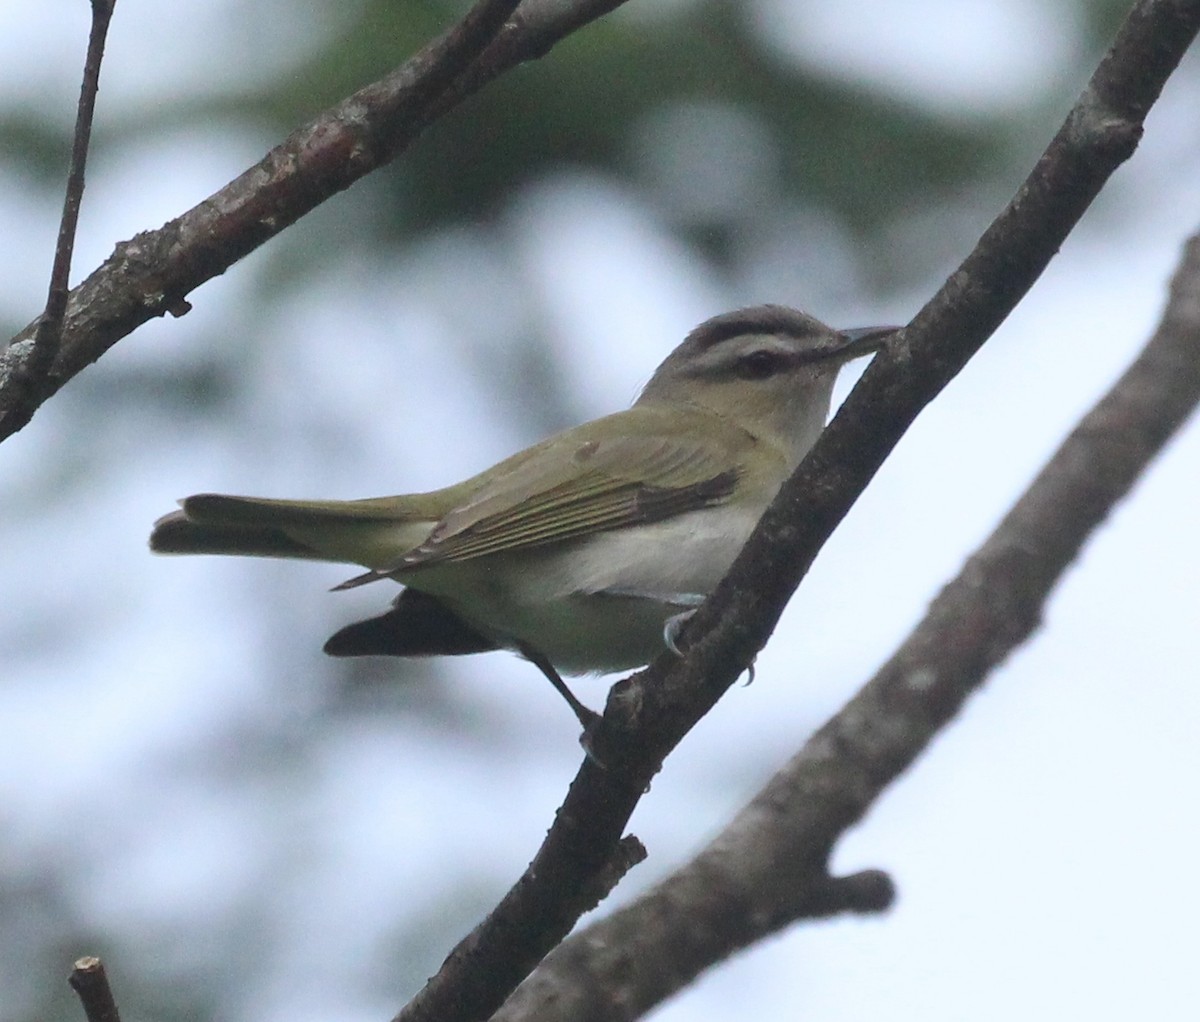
587 551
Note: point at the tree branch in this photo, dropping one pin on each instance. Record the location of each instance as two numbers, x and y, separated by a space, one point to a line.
648 714
1099 134
90 982
30 378
767 868
152 273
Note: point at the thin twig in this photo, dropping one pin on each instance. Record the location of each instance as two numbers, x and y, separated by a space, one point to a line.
31 383
766 870
153 273
89 980
648 714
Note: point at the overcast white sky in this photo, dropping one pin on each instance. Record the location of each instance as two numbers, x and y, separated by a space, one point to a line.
1041 849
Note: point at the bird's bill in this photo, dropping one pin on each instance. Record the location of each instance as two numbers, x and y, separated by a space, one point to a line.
864 340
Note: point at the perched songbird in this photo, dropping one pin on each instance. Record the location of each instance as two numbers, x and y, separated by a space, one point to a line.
586 551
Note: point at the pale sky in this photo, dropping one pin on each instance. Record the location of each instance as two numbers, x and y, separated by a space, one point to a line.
1038 847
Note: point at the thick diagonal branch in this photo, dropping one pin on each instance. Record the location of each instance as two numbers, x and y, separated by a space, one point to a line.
767 869
648 714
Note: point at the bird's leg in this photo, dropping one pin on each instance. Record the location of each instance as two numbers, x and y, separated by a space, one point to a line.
588 718
674 625
671 629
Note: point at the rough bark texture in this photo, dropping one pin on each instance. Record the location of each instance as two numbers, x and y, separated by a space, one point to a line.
152 274
848 763
649 713
767 868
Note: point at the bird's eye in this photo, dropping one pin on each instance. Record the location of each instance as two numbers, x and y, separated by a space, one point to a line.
758 365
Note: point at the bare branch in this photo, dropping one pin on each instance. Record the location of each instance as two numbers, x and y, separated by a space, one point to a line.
532 32
151 274
648 714
30 379
89 980
1099 134
767 868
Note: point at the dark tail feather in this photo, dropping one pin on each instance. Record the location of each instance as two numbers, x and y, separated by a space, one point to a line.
177 534
417 625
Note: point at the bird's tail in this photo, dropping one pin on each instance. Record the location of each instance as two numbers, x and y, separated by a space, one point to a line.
373 533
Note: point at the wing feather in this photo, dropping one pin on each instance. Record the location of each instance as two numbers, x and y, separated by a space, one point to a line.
583 483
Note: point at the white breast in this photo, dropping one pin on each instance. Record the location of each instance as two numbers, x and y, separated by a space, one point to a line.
597 604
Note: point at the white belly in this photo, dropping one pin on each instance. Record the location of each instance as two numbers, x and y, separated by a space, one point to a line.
598 604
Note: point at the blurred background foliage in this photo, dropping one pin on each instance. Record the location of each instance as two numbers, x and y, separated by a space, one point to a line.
694 105
776 175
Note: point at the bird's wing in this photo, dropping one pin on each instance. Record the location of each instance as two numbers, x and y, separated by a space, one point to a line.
591 480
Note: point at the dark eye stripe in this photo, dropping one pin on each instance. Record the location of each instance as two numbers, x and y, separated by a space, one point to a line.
758 365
